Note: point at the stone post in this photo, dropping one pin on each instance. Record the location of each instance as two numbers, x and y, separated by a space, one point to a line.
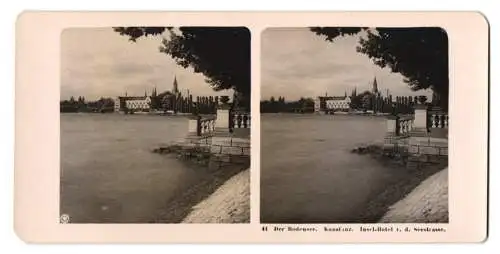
194 126
392 125
420 121
222 120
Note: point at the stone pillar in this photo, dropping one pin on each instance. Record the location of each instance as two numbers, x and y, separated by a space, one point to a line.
194 126
222 121
392 126
420 121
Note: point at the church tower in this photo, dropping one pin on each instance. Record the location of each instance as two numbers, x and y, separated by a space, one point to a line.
375 88
354 92
175 88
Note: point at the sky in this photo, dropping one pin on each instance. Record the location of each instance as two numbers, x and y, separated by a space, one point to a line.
98 62
298 63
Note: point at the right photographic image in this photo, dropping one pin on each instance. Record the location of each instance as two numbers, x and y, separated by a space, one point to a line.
354 125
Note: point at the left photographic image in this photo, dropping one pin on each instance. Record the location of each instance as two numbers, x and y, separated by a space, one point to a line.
155 125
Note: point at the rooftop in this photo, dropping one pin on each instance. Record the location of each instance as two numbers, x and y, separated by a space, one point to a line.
132 97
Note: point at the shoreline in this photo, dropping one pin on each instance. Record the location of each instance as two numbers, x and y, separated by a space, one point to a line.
189 200
337 114
403 182
136 113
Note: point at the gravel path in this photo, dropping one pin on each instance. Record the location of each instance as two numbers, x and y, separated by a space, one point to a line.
230 203
427 203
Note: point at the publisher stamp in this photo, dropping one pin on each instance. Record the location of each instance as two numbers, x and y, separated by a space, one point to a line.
64 219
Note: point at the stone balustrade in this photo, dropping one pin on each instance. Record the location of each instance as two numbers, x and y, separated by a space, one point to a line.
201 126
206 126
405 125
422 137
240 120
224 122
437 119
400 126
224 135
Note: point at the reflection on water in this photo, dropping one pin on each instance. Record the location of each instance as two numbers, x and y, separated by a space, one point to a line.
307 171
108 172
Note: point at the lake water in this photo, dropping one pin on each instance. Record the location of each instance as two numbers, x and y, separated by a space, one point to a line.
308 174
108 172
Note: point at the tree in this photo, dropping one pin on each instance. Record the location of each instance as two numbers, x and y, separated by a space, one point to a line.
367 101
356 102
364 100
422 99
221 54
307 105
419 54
224 99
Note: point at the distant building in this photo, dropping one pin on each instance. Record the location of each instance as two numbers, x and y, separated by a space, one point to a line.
317 105
147 103
135 103
139 103
341 103
323 104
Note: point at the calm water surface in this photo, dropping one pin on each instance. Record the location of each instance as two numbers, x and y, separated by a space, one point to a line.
307 171
108 172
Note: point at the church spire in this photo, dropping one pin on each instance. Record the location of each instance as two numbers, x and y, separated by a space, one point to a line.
175 89
375 88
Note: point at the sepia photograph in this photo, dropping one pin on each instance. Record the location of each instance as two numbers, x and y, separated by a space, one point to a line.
251 127
155 125
354 125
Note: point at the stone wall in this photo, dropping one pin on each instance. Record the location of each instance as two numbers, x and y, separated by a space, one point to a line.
418 143
227 141
230 150
396 144
424 151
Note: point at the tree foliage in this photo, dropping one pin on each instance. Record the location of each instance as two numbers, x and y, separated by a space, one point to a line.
102 105
303 105
422 99
420 54
221 54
